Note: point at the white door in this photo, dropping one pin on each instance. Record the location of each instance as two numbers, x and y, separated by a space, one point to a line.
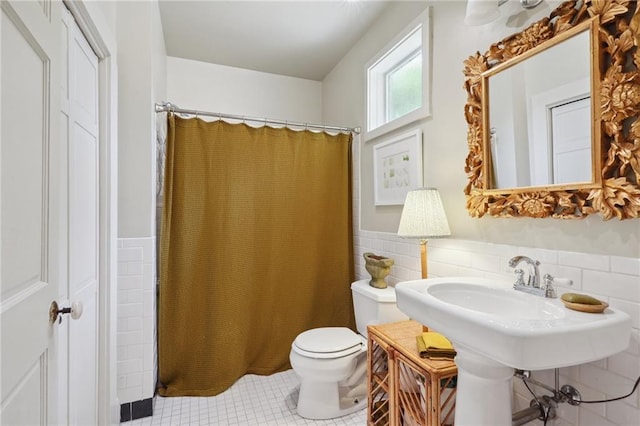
49 216
571 142
32 249
79 108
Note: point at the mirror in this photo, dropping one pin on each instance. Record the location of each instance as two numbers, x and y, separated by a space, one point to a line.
528 174
539 131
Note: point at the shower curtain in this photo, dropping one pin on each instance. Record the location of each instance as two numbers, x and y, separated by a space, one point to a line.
256 247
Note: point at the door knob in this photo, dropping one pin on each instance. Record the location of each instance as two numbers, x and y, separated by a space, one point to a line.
56 313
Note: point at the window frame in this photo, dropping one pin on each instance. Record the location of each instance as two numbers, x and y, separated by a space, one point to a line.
385 61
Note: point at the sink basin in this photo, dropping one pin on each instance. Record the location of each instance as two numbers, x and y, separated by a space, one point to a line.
495 329
514 328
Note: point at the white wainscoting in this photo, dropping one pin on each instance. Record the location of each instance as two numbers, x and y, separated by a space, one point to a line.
137 355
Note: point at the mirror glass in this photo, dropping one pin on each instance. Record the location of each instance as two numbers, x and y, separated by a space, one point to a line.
539 129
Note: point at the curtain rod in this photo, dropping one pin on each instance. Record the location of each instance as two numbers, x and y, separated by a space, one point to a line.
169 107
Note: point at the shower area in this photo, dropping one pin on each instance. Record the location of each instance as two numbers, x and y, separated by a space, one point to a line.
255 244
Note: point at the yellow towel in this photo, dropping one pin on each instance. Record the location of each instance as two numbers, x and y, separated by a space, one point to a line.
422 348
435 346
436 341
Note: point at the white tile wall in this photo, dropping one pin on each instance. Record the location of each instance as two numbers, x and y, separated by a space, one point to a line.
136 319
614 279
610 278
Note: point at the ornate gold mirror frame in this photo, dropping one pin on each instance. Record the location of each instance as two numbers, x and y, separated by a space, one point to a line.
617 99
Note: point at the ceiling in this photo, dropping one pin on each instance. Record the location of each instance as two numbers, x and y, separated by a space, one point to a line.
303 38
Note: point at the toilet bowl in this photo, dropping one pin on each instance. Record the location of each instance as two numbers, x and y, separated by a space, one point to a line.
325 359
331 362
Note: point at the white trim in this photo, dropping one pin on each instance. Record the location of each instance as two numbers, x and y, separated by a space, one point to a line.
424 21
103 43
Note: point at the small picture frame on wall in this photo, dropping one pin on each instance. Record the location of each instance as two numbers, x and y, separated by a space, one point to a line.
397 167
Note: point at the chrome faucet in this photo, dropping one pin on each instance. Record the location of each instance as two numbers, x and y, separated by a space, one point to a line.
534 273
533 280
549 291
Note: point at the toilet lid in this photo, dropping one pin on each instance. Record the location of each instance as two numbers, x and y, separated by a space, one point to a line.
328 342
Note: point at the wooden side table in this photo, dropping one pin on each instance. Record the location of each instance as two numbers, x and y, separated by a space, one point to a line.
403 388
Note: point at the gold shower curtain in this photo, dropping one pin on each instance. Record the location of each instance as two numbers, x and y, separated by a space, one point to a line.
256 247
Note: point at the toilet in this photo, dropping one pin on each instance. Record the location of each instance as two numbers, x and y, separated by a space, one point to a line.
331 362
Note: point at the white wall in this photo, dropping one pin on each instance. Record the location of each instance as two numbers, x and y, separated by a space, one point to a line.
217 88
141 77
142 83
603 258
445 146
136 319
343 92
502 117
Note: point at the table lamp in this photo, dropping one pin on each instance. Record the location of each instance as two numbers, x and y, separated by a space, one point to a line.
423 217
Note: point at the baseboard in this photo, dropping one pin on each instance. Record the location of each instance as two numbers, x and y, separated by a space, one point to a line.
136 410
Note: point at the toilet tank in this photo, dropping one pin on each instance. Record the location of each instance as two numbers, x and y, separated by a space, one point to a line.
374 305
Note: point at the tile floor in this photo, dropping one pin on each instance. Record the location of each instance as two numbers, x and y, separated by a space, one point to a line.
251 401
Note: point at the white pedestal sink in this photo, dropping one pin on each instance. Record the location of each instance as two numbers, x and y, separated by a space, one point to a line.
495 329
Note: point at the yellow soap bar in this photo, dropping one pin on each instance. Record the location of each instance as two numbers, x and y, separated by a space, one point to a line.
580 298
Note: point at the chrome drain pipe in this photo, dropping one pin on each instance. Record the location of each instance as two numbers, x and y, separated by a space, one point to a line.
525 416
545 406
534 412
526 376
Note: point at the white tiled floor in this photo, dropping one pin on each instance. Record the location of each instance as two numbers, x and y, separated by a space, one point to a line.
251 401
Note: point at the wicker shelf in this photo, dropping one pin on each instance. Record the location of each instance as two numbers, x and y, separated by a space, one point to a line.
405 389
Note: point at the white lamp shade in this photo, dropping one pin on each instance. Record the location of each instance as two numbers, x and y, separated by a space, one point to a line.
481 12
423 215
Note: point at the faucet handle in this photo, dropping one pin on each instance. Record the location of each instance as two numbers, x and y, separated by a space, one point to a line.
564 282
549 291
519 277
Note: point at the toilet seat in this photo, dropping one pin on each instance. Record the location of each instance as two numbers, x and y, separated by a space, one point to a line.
328 342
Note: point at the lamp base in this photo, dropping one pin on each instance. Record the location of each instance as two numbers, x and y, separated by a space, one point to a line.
423 258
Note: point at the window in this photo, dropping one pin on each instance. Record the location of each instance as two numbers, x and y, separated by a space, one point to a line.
404 88
397 80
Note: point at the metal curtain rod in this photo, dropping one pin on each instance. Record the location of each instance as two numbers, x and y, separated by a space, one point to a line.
169 107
